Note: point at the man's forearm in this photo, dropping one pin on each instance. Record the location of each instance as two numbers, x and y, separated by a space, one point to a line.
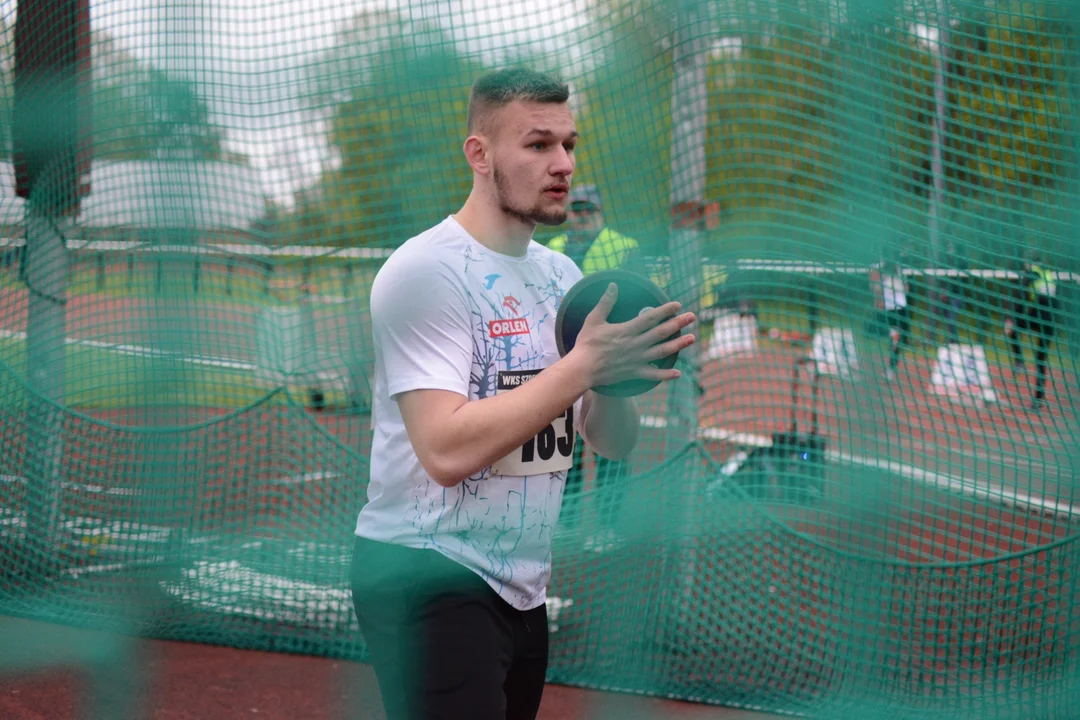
481 432
610 424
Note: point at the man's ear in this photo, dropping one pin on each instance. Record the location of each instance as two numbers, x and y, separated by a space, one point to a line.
477 154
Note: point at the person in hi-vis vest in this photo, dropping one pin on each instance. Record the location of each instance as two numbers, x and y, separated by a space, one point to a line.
595 247
1035 312
589 242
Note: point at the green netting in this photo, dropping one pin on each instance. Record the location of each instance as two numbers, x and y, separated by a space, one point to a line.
812 521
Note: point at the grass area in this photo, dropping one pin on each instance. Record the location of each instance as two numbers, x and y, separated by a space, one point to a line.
248 282
100 379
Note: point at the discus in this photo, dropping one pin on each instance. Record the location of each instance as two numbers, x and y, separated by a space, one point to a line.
637 294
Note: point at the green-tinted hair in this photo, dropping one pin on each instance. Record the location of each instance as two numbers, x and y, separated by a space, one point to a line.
502 87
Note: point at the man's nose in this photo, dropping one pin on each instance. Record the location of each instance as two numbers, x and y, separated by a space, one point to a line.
563 166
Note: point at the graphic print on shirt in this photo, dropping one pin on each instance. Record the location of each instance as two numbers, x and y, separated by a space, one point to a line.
501 353
507 518
506 334
553 291
513 323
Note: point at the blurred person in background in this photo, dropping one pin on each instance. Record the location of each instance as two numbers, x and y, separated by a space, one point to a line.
1035 311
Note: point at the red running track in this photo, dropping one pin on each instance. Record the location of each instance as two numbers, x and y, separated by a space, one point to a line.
187 681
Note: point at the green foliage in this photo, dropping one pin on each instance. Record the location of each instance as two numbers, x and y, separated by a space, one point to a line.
819 136
1009 99
625 121
784 148
153 117
772 147
136 111
398 137
7 86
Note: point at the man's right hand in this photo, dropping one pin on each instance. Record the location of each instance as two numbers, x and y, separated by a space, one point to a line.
612 353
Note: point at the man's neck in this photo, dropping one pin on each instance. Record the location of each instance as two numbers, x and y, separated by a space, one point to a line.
493 228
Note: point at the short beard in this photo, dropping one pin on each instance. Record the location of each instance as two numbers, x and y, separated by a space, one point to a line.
535 215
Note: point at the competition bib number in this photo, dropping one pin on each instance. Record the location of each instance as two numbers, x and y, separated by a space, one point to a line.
550 450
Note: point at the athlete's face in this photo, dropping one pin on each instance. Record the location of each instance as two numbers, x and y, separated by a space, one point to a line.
533 161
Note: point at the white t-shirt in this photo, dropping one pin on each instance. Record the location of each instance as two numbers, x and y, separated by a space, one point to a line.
892 287
447 313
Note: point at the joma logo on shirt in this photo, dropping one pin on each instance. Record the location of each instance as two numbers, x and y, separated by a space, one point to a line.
514 326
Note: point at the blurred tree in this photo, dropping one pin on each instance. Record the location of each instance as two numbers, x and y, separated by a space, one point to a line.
1009 150
770 146
1010 100
178 120
908 110
399 141
118 114
7 86
357 47
623 113
775 148
395 115
138 112
793 144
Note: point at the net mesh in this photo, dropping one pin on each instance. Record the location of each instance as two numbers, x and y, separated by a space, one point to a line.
857 501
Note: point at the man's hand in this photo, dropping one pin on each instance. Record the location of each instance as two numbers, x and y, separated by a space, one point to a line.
612 353
622 351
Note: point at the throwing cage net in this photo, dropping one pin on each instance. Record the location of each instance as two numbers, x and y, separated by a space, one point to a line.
858 501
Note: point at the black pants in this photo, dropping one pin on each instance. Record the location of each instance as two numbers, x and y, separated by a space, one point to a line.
444 645
899 320
951 301
1038 319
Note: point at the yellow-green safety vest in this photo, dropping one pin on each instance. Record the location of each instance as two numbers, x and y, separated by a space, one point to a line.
1044 284
609 251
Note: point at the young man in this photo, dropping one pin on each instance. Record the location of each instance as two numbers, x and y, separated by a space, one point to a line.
475 416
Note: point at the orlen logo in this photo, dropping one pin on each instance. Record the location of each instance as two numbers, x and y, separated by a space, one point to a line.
512 326
512 304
